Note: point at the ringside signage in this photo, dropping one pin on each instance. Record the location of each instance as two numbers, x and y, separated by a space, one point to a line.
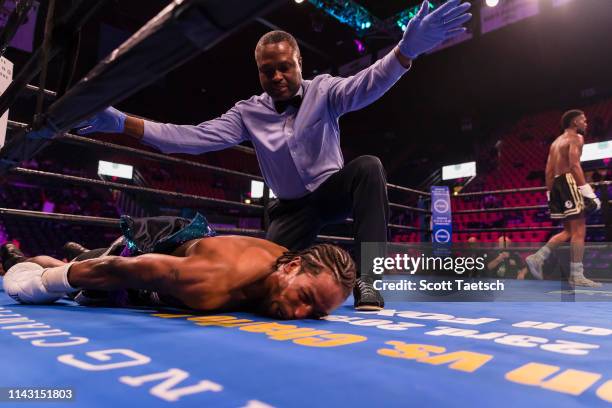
6 77
441 217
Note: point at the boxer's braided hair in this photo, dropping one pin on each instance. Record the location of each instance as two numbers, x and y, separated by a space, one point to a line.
320 256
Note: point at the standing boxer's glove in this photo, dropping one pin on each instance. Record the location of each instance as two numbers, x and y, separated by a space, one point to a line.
110 120
425 31
591 201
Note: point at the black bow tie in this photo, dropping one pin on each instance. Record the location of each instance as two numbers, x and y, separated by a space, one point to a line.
282 106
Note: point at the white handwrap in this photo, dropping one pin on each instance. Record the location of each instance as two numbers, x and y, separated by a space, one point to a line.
56 279
587 191
26 282
592 202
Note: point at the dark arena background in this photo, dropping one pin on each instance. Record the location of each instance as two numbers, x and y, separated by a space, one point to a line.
463 136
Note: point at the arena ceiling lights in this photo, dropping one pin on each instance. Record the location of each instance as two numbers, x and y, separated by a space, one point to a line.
360 19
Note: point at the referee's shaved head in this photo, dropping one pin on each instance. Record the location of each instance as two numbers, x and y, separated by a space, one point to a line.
277 36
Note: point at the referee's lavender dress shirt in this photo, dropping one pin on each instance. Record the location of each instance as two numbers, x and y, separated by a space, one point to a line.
297 150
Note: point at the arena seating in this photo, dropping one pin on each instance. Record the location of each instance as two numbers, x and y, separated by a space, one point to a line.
191 180
47 237
520 161
521 157
522 153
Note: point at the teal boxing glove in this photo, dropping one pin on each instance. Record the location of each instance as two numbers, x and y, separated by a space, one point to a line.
427 30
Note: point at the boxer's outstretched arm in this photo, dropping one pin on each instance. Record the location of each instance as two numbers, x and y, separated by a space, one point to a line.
151 271
31 283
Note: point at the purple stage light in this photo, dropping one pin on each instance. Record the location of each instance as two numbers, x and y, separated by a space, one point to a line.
359 45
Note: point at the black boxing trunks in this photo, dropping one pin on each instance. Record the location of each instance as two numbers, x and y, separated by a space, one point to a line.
160 235
566 201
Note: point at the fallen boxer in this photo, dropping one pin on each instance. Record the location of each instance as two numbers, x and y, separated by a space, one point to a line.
208 273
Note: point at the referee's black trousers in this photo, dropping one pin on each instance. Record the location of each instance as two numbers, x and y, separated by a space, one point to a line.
359 190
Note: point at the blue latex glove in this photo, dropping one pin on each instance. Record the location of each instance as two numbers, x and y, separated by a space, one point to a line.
427 30
110 120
